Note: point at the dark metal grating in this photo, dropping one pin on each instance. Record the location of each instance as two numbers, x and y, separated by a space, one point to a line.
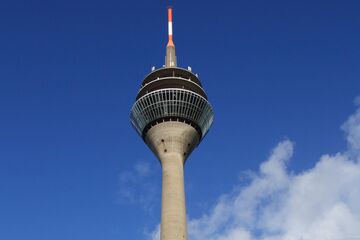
172 103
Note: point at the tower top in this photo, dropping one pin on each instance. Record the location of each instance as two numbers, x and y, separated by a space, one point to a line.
171 94
170 59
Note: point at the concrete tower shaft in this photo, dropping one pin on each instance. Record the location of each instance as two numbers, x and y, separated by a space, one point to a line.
172 143
172 115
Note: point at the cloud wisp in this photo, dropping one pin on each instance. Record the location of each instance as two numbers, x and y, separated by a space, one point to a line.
137 186
322 202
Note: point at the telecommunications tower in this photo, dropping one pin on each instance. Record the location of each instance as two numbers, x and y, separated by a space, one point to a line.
172 114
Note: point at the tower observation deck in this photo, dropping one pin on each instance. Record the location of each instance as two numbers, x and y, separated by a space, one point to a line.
172 114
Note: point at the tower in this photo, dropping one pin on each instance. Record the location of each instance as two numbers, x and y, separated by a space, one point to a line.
172 115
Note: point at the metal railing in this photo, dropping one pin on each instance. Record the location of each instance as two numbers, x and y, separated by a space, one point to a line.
172 102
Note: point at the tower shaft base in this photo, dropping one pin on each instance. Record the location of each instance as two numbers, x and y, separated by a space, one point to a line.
173 211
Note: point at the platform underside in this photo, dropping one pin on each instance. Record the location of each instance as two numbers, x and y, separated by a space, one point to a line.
172 137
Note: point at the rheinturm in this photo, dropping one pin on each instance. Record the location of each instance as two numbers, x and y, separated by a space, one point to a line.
172 114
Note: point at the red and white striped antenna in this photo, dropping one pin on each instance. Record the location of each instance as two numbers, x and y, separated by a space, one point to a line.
170 59
170 28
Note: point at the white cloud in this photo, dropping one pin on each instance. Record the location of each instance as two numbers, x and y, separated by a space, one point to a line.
137 186
236 234
352 129
142 169
322 202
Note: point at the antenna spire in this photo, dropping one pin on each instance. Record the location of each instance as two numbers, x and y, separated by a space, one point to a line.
170 33
170 59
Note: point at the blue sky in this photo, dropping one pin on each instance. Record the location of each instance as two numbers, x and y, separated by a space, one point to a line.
71 166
